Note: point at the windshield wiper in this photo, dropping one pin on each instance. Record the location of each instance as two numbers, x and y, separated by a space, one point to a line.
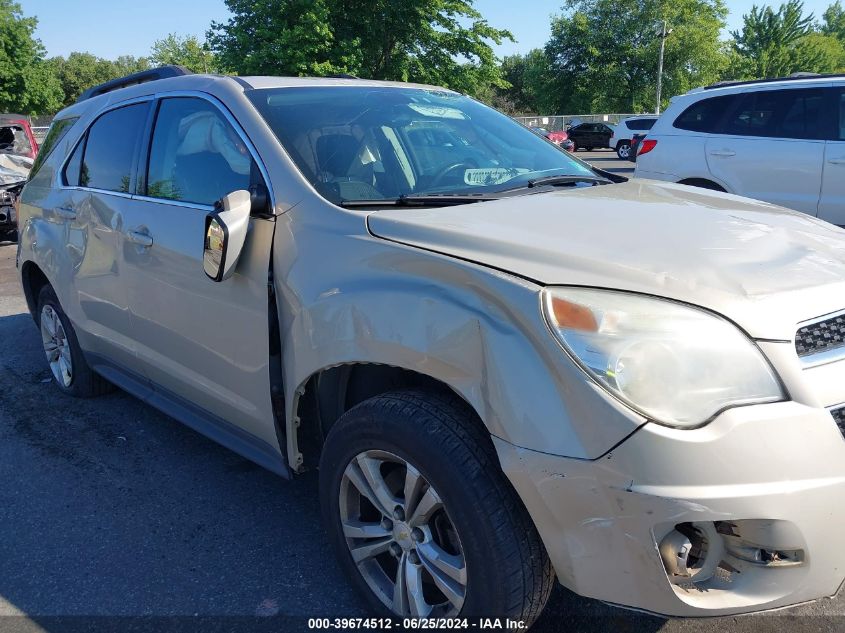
421 200
552 181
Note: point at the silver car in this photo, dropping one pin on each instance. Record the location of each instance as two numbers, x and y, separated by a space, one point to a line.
503 374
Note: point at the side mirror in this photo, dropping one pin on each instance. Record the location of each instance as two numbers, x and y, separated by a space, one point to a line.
225 234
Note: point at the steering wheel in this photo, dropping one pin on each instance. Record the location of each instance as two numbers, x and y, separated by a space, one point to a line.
448 171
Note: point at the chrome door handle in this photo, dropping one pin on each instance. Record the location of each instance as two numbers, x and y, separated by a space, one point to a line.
140 238
66 213
837 161
723 152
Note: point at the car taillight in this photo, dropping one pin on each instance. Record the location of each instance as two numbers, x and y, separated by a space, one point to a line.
646 145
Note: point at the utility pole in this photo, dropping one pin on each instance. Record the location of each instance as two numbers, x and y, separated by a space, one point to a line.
664 33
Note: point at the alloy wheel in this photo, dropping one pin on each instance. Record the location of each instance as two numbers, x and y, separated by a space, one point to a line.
56 346
401 538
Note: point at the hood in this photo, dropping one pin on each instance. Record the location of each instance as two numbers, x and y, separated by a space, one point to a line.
764 267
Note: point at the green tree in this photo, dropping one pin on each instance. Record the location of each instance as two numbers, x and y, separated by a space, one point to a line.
444 42
604 53
834 21
280 37
26 83
80 71
184 51
777 43
529 78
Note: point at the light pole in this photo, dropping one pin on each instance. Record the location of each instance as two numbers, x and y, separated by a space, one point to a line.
663 33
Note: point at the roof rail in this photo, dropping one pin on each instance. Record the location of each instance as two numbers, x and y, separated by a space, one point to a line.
792 77
163 72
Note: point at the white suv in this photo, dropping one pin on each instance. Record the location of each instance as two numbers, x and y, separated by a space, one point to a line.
781 141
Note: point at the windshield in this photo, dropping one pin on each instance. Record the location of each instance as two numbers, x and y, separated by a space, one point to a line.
370 143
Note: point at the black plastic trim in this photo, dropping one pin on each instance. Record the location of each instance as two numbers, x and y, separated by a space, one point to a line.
154 74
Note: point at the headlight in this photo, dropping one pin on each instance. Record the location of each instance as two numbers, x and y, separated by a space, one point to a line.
675 364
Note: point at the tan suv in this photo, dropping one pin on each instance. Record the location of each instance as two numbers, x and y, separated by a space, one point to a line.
502 373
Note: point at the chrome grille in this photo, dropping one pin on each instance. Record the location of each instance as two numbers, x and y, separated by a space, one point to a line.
820 336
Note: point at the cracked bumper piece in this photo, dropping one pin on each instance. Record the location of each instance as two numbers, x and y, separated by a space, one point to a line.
741 515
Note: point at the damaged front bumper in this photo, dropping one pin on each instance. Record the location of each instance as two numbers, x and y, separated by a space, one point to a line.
8 214
756 495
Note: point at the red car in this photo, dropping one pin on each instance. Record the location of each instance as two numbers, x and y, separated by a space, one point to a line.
559 138
16 136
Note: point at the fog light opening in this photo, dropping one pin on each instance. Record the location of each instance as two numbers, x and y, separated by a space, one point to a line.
684 553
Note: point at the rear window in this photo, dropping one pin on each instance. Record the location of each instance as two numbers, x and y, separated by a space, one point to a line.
640 125
797 114
110 150
705 115
14 140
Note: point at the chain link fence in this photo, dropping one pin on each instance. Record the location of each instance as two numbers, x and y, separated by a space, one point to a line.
558 122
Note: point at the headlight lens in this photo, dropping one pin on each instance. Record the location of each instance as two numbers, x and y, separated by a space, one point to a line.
675 364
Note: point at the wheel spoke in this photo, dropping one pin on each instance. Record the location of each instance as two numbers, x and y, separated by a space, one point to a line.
49 319
400 589
371 469
370 550
413 581
360 529
439 562
414 483
428 505
356 476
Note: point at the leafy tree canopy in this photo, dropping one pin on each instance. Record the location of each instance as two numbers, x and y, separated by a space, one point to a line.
26 83
778 43
444 42
604 53
184 51
80 71
834 21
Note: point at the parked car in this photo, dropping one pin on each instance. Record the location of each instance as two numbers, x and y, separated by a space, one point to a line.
590 135
781 141
507 372
626 129
558 137
16 136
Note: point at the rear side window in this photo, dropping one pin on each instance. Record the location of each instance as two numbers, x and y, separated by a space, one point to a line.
110 149
640 125
841 104
794 114
57 131
705 115
196 155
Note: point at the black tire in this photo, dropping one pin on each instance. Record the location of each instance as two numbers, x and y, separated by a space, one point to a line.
84 383
508 570
623 151
589 149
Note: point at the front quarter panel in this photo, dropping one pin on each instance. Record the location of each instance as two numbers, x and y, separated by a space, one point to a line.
347 297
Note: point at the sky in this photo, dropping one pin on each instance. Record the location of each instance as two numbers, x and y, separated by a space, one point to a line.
109 28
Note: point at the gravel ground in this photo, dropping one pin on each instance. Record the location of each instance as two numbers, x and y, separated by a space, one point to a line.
114 517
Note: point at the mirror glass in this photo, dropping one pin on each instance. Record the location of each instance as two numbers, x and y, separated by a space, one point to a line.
215 249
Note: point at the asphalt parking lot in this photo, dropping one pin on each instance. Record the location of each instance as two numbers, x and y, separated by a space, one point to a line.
115 517
606 159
